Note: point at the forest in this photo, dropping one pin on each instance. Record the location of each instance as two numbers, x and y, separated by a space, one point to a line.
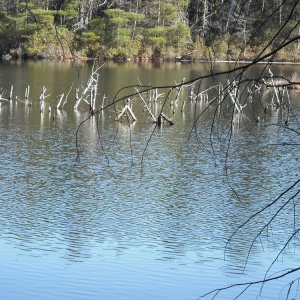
147 30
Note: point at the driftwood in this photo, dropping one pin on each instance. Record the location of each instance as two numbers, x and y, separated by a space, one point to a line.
234 94
281 82
162 118
2 98
103 100
128 111
26 100
11 92
179 89
89 93
275 93
63 99
146 106
42 99
60 101
27 90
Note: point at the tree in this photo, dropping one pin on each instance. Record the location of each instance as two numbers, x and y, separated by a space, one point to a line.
210 24
122 38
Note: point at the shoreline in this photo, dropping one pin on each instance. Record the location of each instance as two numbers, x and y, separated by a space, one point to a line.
9 58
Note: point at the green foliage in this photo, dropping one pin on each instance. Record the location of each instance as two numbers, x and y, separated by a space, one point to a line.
158 28
168 13
119 17
198 50
122 38
90 37
43 12
25 5
94 33
184 3
155 34
123 45
97 25
9 36
50 42
17 20
71 6
220 47
43 17
178 35
156 39
66 13
165 39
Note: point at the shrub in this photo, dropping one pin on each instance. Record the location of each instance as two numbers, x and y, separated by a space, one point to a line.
50 42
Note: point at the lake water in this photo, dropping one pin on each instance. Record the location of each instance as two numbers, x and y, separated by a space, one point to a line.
138 217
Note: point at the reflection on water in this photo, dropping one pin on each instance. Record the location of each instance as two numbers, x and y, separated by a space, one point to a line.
121 224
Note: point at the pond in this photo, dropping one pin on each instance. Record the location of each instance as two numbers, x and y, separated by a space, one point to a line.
145 212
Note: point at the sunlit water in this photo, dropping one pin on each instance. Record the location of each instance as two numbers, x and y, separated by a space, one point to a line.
134 218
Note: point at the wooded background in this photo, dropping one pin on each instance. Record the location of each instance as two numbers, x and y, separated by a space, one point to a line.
169 29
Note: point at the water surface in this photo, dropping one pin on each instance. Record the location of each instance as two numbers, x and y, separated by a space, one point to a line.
133 219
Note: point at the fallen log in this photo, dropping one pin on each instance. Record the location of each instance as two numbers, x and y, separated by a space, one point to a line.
163 118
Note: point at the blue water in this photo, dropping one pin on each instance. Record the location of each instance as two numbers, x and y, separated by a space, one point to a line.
128 221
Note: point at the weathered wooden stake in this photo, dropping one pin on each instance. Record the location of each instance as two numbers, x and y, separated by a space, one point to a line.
60 101
42 99
183 105
90 92
11 92
103 99
147 107
27 93
127 110
161 118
